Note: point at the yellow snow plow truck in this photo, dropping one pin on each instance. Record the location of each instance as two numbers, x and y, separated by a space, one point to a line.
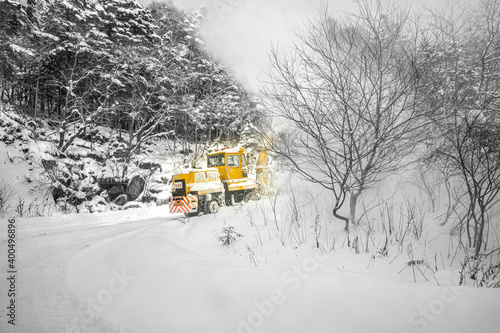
225 180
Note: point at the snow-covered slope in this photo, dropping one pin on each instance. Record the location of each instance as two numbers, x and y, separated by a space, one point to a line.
88 177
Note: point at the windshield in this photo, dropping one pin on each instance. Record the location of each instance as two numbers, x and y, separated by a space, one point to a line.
233 161
215 160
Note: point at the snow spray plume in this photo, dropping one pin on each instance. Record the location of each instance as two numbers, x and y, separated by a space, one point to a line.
240 32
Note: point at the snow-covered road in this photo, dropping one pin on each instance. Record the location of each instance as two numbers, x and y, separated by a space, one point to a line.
44 249
147 271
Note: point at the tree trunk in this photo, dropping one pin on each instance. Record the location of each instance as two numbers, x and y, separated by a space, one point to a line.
353 202
36 94
72 138
62 133
340 217
480 231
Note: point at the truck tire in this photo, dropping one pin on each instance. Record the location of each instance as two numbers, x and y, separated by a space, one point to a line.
212 207
251 195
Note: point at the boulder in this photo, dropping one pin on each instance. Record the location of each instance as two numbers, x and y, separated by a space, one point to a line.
48 164
121 200
135 187
120 153
116 191
148 165
108 183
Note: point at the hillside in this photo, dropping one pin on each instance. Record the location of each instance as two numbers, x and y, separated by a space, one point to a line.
38 180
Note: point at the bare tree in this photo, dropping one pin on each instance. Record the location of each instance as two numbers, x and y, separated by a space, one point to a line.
84 103
463 92
346 96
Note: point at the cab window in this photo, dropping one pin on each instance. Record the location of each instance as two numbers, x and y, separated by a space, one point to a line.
215 160
199 177
233 161
243 160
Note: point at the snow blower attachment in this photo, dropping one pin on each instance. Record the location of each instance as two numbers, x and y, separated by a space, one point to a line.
225 181
263 174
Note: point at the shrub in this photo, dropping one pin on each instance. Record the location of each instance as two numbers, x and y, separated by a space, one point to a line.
6 192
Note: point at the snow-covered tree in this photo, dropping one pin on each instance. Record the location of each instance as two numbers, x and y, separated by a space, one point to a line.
16 49
210 103
462 90
69 59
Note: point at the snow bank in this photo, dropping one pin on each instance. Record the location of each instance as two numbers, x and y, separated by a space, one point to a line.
177 277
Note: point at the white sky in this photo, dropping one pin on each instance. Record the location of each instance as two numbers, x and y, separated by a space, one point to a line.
240 31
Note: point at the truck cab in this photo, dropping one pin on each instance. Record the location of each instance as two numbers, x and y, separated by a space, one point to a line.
231 163
233 169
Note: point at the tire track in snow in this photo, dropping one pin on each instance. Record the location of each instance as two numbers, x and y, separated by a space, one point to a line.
45 303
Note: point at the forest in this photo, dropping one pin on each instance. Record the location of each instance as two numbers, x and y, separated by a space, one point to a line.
143 71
